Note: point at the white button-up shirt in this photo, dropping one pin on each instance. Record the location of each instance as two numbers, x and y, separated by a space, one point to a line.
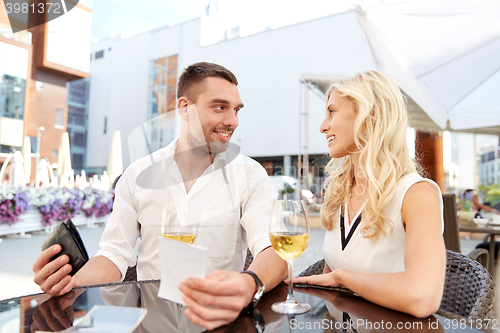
232 200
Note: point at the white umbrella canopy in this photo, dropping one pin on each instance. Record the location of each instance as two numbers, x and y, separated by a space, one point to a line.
16 174
83 184
444 54
64 160
115 164
43 173
26 151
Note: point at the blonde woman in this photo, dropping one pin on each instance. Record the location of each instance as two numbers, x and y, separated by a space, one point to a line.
384 221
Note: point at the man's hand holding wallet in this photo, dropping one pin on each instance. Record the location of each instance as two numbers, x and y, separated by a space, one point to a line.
63 255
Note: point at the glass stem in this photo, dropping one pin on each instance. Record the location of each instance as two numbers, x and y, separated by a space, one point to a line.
290 298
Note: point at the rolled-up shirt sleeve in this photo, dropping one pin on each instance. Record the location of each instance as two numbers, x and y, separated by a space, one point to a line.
259 197
122 229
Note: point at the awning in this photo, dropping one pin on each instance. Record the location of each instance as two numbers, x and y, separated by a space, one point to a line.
444 54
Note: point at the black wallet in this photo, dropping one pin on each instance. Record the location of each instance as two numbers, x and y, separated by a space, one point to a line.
66 235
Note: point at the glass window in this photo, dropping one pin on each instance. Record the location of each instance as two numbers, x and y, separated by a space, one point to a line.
76 116
12 97
79 140
6 149
77 91
105 124
161 101
59 117
99 54
77 161
33 143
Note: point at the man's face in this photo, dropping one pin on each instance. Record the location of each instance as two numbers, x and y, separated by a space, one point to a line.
217 109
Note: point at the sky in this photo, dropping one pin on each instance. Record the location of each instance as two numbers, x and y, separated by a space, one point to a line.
128 17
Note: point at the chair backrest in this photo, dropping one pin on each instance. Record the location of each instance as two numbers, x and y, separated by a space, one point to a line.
469 289
131 274
314 269
451 234
248 260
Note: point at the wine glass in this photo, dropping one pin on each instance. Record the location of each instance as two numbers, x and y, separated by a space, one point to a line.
175 222
177 225
289 233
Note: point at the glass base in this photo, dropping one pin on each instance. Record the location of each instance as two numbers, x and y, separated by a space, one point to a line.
291 307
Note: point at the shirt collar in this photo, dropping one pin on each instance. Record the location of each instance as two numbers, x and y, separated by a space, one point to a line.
226 156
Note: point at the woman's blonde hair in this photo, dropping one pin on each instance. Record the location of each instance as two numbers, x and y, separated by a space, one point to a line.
380 135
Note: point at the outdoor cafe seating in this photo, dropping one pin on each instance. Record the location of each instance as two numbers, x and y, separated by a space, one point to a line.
469 290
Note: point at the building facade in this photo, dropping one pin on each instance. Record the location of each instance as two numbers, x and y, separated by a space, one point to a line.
35 65
78 97
282 72
133 81
489 165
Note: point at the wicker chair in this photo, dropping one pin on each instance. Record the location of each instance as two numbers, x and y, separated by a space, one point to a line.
314 269
131 274
451 233
248 260
469 290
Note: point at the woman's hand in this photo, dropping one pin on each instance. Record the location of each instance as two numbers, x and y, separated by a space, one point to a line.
327 280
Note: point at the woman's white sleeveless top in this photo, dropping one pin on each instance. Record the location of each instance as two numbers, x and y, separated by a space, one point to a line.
385 255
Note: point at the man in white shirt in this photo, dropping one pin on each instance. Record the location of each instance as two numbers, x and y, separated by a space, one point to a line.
231 194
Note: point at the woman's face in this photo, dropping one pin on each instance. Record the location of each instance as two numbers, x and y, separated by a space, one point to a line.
338 126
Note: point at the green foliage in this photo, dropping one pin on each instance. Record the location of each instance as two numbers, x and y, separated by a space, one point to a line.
492 193
287 189
466 205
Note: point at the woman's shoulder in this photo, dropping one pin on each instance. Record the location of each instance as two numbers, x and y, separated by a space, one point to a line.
409 179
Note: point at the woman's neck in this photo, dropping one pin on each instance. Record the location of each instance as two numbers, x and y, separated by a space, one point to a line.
360 179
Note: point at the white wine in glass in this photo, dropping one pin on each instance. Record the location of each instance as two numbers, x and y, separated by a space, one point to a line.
185 237
175 222
177 225
289 233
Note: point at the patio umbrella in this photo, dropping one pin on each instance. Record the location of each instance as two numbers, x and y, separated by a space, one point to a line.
26 151
115 164
443 54
83 184
105 183
16 174
43 173
4 168
64 160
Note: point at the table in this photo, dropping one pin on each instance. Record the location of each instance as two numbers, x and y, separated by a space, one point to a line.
492 231
331 312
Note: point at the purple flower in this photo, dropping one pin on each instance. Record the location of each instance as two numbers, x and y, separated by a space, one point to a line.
54 204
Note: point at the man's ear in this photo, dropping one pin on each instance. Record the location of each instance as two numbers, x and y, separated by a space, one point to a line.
182 108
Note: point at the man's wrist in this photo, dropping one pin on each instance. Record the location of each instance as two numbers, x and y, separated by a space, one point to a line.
251 283
258 289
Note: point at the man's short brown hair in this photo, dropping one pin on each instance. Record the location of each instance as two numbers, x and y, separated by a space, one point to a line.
189 81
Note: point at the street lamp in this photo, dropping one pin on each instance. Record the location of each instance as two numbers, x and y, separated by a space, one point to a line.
39 131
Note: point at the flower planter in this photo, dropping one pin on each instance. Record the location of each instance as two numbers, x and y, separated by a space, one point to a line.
465 218
32 221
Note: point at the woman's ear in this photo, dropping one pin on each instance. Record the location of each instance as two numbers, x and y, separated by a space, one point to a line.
182 108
